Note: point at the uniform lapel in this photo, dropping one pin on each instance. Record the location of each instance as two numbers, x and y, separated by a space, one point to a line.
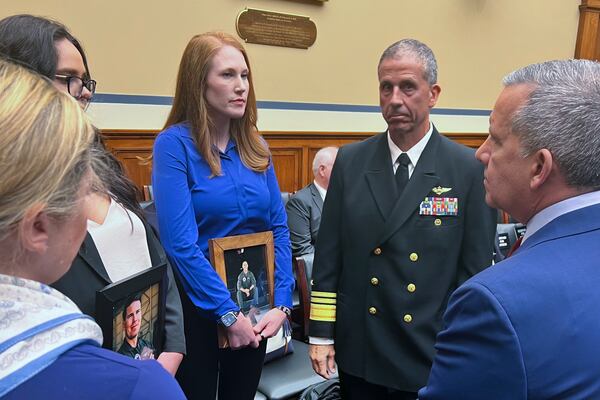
89 253
422 180
316 197
380 177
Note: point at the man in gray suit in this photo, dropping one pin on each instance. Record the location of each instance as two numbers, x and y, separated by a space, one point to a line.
304 208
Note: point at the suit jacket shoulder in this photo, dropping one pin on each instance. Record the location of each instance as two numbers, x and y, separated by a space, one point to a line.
304 218
521 310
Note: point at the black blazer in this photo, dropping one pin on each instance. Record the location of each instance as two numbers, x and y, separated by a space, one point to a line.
389 269
304 217
87 275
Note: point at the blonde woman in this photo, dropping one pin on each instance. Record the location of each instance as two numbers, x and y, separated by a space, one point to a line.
213 177
48 348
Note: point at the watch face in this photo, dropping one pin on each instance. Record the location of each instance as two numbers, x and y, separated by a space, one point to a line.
228 319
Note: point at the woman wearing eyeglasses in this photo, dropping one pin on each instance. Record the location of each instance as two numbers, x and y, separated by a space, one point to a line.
119 242
27 39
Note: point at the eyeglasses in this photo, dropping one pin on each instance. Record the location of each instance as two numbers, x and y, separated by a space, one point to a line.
76 84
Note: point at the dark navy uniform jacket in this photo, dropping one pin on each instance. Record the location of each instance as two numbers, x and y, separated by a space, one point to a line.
383 271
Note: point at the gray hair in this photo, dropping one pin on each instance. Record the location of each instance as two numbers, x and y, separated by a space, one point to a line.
562 115
324 156
417 49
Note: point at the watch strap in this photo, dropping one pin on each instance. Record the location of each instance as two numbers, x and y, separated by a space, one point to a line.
285 309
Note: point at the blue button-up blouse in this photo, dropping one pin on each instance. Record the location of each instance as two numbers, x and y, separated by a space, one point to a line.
192 208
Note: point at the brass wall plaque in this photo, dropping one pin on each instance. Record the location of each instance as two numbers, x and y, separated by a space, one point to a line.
276 29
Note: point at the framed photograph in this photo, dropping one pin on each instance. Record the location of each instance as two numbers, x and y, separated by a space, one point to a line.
246 264
131 313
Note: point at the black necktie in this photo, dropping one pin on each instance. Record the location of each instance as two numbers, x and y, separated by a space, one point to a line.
402 172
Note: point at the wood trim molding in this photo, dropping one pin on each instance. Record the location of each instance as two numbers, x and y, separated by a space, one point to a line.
588 32
306 135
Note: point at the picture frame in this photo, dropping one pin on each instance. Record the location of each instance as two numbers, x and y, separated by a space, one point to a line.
131 313
246 264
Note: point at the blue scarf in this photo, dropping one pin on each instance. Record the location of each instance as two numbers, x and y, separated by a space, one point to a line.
37 325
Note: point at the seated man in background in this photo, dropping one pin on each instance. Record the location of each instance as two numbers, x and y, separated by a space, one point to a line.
527 327
305 207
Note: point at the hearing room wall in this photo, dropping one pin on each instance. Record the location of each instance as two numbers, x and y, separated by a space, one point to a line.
134 49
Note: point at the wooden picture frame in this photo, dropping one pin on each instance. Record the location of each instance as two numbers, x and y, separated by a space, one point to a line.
134 306
246 264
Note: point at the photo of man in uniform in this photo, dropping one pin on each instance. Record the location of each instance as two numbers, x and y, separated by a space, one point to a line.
133 345
247 295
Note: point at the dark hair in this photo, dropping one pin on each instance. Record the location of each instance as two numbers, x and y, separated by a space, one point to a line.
112 178
30 40
130 299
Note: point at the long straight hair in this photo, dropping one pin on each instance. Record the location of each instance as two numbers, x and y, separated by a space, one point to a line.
190 105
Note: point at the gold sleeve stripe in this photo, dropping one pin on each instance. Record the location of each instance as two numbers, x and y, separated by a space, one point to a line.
331 295
327 316
321 307
320 300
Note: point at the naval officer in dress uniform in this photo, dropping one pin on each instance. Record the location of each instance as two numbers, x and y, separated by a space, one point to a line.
403 225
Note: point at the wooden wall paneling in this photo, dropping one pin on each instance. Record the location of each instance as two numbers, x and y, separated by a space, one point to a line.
293 152
287 163
134 150
588 32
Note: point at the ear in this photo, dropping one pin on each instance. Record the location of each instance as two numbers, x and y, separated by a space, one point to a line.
322 171
33 230
434 94
541 168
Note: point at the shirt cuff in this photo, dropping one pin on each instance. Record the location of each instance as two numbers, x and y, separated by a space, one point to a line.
320 341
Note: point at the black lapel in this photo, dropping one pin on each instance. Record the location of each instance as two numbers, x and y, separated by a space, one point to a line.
157 255
316 197
422 180
89 253
380 176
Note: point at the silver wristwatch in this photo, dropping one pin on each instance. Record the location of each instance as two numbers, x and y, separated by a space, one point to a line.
229 318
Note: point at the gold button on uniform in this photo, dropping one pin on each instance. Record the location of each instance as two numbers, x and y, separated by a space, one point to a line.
374 281
377 251
411 287
413 257
372 310
407 318
437 222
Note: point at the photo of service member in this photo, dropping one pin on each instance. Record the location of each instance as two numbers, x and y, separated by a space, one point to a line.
134 345
247 293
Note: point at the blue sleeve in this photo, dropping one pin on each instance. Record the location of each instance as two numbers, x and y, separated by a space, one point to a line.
154 382
284 280
178 228
478 353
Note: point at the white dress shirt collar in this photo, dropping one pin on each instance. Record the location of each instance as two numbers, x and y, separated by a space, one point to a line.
554 211
322 192
414 153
